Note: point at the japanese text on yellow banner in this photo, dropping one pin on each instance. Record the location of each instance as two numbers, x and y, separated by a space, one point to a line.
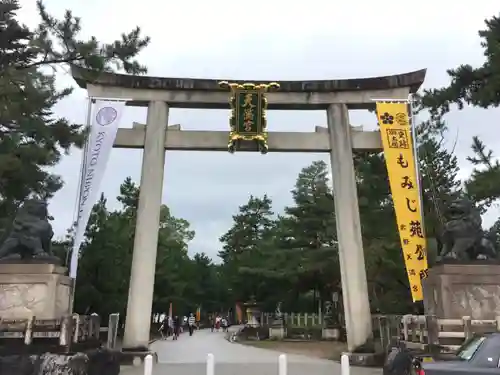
399 156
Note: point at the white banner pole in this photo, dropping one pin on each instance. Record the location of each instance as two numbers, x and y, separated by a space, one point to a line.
103 128
90 101
69 255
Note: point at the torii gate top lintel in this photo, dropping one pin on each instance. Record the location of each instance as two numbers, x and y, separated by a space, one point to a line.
357 93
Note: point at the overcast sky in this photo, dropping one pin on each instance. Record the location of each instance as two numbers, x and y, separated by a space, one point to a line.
289 40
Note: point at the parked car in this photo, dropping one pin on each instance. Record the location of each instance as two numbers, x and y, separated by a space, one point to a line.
478 355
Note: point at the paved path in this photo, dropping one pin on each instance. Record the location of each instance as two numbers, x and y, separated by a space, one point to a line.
187 356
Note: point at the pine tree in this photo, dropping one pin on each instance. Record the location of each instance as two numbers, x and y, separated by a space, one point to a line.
311 219
104 268
385 270
478 87
242 246
483 186
301 255
15 38
32 137
314 209
440 185
494 234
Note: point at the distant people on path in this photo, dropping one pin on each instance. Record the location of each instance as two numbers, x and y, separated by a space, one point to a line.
184 323
191 323
217 322
177 327
224 324
164 328
211 321
170 325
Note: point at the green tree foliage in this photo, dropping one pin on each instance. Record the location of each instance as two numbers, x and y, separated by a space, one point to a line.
252 225
483 186
472 86
106 256
172 263
309 227
478 87
104 267
298 253
440 185
32 137
494 234
205 285
386 274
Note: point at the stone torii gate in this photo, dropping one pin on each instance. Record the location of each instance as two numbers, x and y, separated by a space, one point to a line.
336 97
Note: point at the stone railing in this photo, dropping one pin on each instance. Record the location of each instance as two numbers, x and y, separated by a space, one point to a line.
59 334
427 332
112 330
294 319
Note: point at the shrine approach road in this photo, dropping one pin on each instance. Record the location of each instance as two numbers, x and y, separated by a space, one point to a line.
187 356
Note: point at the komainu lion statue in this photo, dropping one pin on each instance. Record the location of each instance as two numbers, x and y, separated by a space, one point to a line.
31 235
463 238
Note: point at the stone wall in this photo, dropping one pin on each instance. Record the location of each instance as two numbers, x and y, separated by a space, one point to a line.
93 362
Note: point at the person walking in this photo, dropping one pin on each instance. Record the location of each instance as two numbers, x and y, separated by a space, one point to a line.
164 328
177 327
211 321
184 323
191 324
170 326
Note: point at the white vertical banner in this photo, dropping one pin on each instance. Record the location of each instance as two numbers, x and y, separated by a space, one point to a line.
104 123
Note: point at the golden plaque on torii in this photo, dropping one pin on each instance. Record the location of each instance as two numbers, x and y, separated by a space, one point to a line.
248 124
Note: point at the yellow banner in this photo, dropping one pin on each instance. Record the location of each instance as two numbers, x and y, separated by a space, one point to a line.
398 152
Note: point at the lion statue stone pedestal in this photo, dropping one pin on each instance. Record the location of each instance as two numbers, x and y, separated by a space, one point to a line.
32 282
466 279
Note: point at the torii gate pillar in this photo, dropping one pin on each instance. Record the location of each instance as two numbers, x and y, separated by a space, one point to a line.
142 275
351 256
